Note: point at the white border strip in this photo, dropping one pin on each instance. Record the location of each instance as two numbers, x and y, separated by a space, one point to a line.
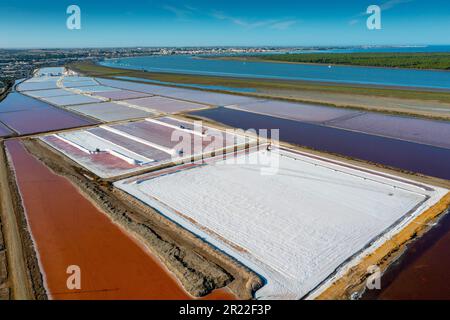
129 136
175 127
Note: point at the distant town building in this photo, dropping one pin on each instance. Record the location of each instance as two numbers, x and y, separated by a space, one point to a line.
50 72
19 64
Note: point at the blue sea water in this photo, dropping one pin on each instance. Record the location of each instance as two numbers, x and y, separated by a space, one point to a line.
319 73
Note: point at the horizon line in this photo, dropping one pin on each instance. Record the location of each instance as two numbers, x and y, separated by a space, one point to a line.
228 46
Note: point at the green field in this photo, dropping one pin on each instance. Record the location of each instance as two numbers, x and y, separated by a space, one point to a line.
438 61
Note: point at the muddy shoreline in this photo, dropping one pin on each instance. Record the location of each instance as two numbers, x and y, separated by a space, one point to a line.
199 267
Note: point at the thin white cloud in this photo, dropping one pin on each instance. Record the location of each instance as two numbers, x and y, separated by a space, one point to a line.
284 25
179 12
393 3
187 12
277 24
384 7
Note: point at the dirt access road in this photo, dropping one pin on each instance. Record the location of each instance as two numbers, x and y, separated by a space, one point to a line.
21 289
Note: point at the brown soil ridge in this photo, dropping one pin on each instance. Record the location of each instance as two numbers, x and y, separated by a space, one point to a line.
197 265
4 283
352 284
3 269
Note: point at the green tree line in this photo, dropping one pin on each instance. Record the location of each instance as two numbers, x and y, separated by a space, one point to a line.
439 61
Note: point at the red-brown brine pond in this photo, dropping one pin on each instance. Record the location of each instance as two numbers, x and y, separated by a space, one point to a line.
68 229
422 273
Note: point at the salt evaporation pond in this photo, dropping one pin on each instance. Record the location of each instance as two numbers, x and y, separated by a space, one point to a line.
26 115
415 157
292 218
164 104
4 130
18 102
47 93
295 111
436 133
109 111
70 100
119 94
205 97
38 85
129 147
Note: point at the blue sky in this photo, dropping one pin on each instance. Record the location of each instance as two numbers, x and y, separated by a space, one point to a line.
42 23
